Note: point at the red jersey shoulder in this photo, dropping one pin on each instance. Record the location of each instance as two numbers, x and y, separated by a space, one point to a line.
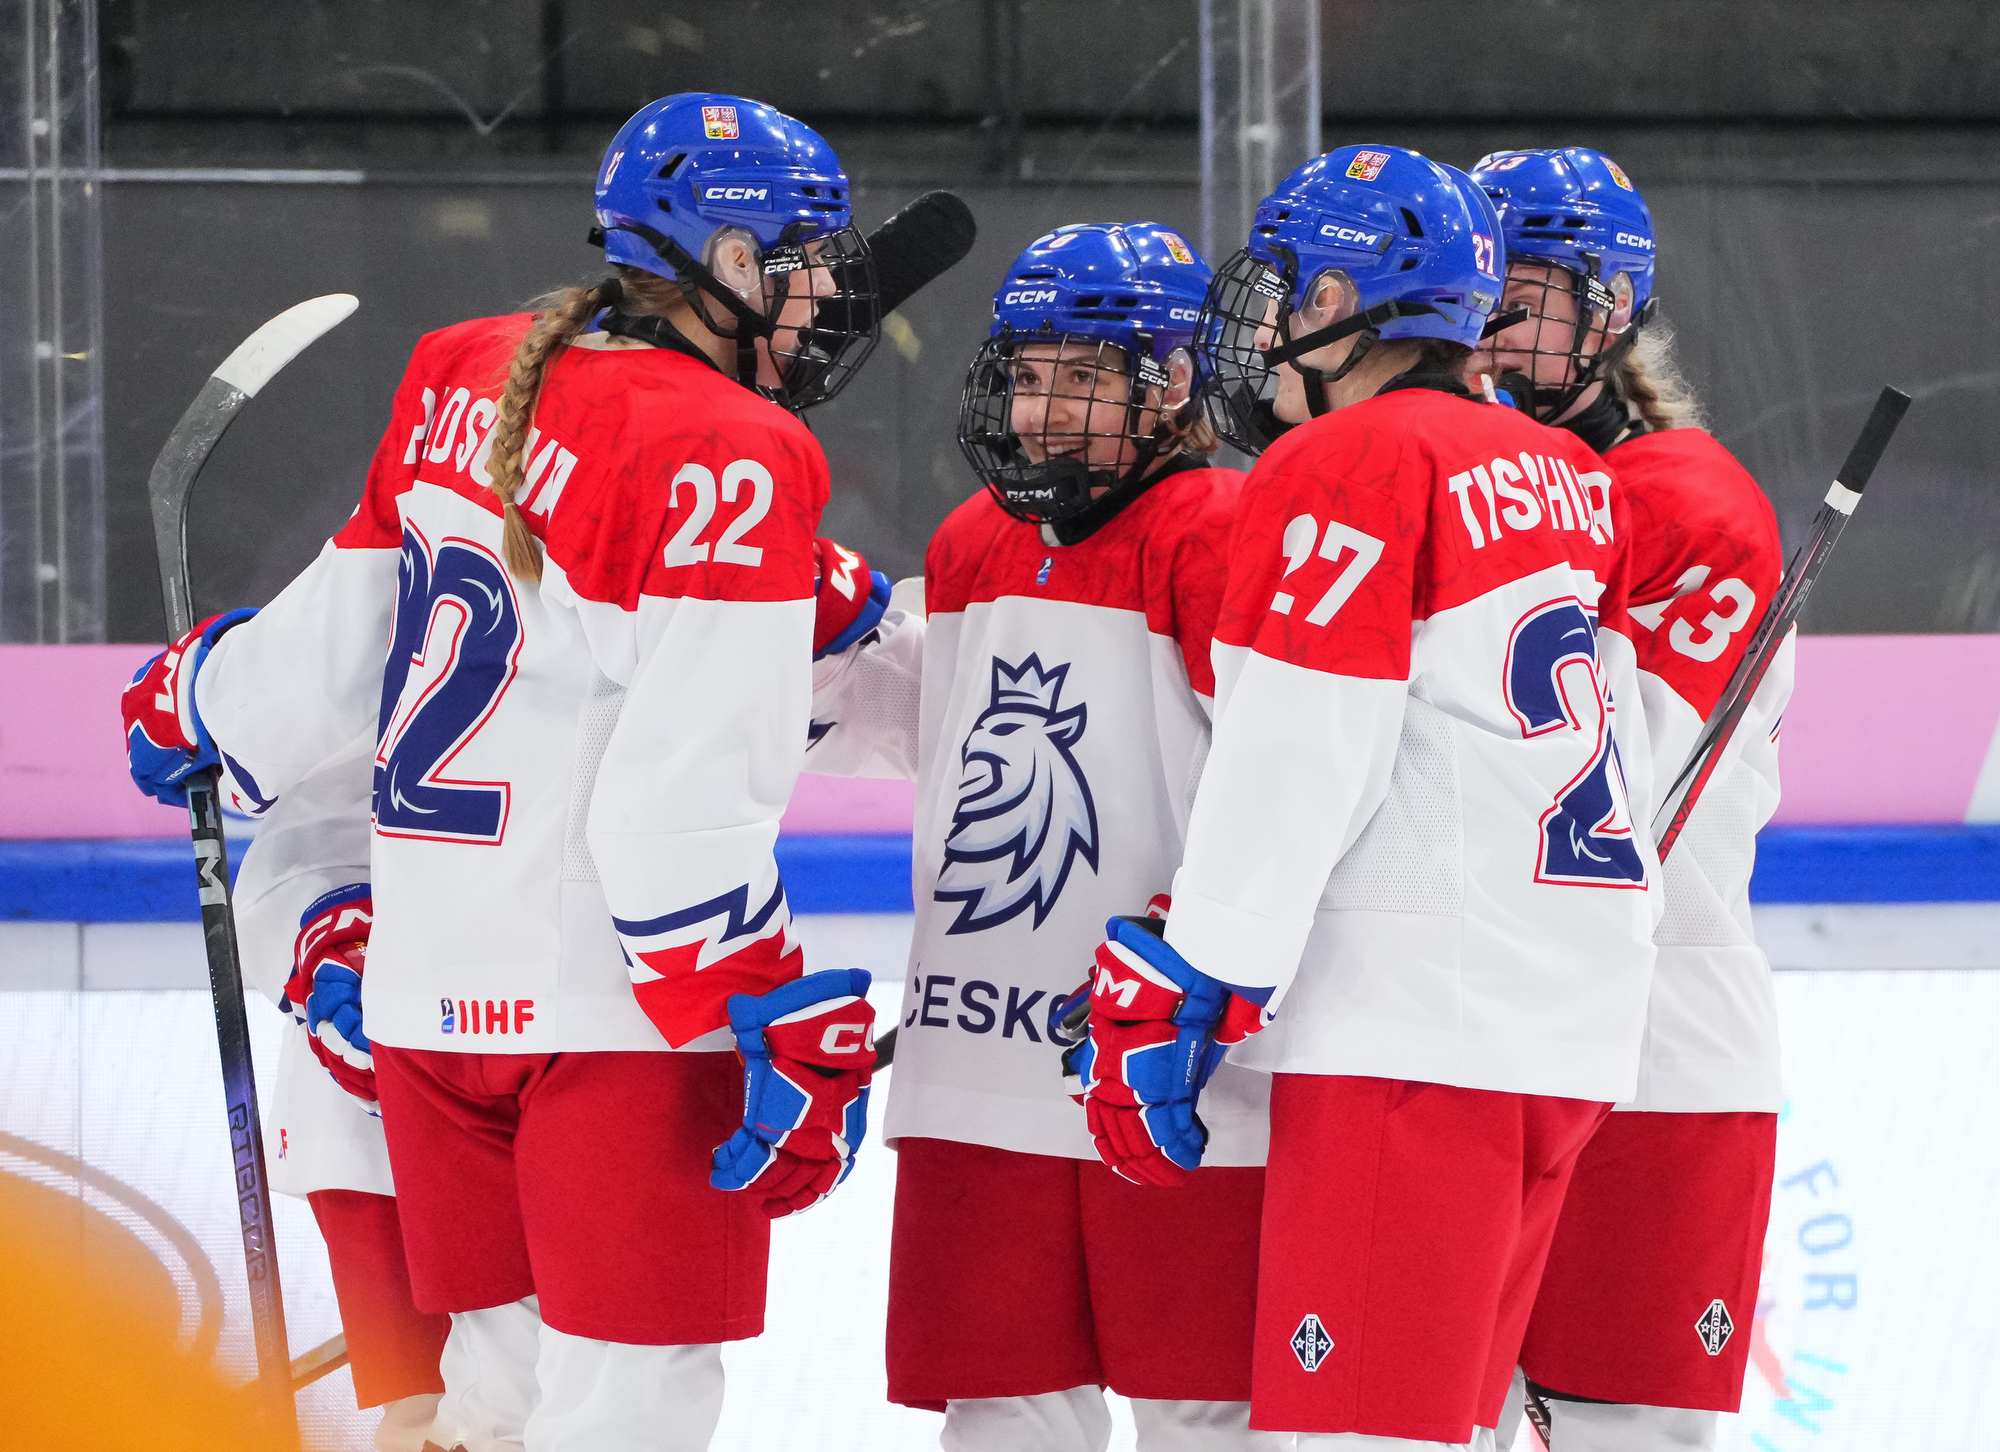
1197 520
963 540
1689 498
676 481
447 367
1365 440
1191 502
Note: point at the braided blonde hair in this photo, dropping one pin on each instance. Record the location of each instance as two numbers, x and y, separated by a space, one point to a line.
561 317
1648 378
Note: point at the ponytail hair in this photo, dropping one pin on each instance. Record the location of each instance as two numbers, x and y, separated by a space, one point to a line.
1648 378
560 317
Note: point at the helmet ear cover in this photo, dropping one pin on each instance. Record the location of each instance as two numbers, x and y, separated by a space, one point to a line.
691 274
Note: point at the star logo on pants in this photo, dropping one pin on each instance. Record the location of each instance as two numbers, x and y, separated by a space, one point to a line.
1310 1343
1715 1327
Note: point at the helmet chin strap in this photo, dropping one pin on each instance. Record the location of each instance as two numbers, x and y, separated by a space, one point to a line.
694 279
1368 324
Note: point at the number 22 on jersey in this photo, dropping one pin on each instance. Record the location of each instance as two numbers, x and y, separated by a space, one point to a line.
454 652
1552 684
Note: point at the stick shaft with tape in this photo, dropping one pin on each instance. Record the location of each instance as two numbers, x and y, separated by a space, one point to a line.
1793 589
175 473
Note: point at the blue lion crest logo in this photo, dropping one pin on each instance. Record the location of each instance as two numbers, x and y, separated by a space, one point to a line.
1024 816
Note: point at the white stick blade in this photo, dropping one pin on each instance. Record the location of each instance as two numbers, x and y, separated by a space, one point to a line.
259 357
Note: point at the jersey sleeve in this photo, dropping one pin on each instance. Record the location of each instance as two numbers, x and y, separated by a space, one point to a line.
1200 574
284 691
866 701
1312 668
1699 589
695 596
315 840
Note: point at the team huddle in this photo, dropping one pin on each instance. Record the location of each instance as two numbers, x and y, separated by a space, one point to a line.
1287 924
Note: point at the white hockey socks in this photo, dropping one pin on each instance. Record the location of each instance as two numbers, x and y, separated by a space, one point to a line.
488 1366
611 1396
1066 1421
1178 1426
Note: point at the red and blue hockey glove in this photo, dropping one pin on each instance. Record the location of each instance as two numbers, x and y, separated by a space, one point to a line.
808 1051
165 742
1069 1016
848 598
324 991
1158 1031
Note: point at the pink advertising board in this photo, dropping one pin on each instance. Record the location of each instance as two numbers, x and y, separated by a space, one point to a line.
1882 728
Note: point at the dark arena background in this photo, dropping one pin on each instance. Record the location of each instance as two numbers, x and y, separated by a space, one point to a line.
1825 182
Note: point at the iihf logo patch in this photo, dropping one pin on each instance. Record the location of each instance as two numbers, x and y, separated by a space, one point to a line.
1042 575
447 1018
1310 1343
1024 816
1715 1327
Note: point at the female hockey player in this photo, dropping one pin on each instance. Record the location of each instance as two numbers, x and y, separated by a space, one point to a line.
302 919
1641 1329
589 538
1411 858
1062 682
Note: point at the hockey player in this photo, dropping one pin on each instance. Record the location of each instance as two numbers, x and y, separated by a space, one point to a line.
302 916
1641 1329
588 536
1411 859
1062 682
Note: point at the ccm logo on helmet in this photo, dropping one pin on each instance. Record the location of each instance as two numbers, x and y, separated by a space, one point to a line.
736 194
1353 236
1183 315
1030 295
1633 239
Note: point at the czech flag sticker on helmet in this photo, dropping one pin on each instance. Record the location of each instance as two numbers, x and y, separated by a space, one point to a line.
1177 249
718 123
1367 165
1618 173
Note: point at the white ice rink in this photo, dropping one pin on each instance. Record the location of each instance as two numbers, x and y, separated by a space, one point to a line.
1889 1182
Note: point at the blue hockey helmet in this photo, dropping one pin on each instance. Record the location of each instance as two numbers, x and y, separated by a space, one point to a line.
1410 242
1089 316
1574 209
690 165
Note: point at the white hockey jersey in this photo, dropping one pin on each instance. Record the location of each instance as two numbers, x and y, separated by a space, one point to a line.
317 1136
1706 563
1413 824
577 785
1063 719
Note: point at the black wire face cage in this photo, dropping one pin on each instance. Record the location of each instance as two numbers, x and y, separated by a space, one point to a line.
1047 476
846 322
1580 348
1240 320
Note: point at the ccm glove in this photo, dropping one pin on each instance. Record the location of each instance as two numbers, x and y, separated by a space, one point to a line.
849 599
808 1051
324 991
1069 1016
1158 1031
165 742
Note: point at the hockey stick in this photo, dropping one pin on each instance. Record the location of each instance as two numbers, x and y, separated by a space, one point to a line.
1806 563
1790 598
323 1360
175 472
